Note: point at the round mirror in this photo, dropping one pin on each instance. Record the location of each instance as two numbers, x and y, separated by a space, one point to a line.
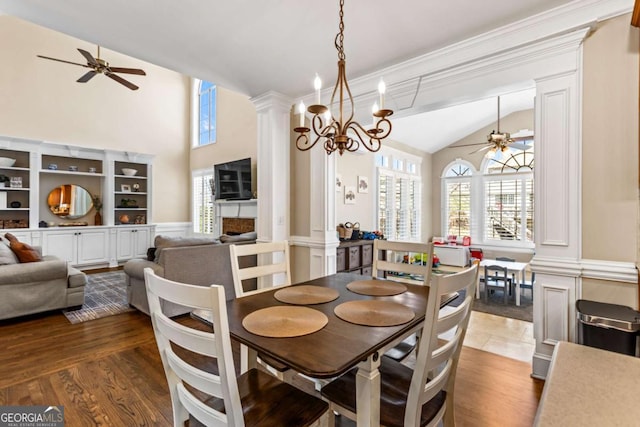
70 201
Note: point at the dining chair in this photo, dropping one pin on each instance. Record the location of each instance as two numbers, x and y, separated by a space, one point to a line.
513 275
529 284
392 260
213 395
272 260
422 396
496 277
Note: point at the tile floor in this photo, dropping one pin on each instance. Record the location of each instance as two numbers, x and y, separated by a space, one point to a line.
500 335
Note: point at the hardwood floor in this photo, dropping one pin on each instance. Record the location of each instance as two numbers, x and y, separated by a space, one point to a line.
108 372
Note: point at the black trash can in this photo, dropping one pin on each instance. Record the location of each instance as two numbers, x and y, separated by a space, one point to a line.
608 326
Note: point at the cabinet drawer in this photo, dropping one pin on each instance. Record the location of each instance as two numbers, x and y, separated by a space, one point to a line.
366 271
340 259
353 260
367 255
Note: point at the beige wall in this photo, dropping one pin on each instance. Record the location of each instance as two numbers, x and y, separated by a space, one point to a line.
40 99
440 159
610 142
350 166
236 134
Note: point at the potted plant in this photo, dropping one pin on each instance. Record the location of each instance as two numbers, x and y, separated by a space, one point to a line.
97 204
4 180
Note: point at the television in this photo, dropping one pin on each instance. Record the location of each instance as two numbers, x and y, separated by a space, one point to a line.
233 180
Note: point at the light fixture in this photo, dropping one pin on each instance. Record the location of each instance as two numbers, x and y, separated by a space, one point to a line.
340 133
500 140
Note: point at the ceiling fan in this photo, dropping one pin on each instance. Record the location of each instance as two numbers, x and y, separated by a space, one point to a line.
100 66
496 140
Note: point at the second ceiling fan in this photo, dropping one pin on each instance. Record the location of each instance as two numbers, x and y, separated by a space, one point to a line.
100 66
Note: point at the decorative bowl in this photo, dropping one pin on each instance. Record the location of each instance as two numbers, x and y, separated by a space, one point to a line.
7 162
129 172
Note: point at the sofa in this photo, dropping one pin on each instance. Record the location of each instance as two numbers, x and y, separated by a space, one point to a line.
39 286
194 260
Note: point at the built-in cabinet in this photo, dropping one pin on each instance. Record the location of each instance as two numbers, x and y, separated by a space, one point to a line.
39 201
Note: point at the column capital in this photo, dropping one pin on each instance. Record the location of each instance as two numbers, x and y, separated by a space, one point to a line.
272 100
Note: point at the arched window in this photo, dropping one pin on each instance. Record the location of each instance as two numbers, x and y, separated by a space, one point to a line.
206 113
509 193
457 197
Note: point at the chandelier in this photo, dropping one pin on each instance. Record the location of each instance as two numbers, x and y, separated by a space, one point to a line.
337 131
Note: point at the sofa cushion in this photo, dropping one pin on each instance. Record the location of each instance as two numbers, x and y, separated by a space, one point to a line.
161 242
252 235
24 252
7 256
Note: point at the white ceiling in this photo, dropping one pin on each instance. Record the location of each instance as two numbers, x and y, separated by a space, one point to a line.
256 46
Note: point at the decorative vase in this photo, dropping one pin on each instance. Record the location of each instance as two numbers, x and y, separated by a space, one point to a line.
97 220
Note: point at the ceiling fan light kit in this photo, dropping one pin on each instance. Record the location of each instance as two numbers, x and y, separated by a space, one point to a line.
100 66
342 133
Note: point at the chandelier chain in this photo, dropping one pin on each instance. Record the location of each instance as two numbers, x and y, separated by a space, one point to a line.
339 42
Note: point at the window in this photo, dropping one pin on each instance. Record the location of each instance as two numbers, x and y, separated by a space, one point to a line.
457 206
399 201
494 206
509 194
206 113
203 208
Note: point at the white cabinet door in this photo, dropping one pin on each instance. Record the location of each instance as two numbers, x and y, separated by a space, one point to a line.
78 247
133 242
93 246
61 243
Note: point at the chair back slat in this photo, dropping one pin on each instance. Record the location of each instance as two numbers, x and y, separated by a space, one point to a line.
434 355
216 344
389 256
273 265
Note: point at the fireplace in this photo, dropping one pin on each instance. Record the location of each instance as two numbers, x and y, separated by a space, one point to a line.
238 225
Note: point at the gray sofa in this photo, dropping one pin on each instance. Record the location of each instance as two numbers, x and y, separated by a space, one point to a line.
35 287
196 261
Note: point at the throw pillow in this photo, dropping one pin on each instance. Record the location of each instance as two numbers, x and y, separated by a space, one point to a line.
7 256
24 252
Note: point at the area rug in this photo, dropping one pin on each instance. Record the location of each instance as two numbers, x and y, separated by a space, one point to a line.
495 305
104 295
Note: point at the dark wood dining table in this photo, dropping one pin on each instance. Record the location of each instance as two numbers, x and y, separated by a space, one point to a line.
339 345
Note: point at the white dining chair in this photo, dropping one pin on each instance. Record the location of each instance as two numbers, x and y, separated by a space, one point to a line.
422 396
392 260
272 269
255 398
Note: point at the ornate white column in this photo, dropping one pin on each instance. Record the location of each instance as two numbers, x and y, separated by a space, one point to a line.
273 166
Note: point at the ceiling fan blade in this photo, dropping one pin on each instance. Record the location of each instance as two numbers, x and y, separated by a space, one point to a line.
87 77
62 60
486 147
128 71
520 146
121 81
90 59
467 145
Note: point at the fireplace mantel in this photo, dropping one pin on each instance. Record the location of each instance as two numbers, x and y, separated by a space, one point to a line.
234 209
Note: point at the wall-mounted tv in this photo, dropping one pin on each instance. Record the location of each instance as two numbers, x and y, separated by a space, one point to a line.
233 180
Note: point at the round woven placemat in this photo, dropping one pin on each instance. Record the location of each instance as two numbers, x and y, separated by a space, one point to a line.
377 288
306 294
284 321
374 313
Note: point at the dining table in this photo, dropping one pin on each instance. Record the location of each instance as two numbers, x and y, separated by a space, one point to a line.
339 345
518 269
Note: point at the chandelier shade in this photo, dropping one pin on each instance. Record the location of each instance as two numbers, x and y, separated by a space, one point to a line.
334 125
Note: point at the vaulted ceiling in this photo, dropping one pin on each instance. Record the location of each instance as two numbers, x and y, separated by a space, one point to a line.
256 46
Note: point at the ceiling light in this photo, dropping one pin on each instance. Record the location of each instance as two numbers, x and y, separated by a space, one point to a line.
340 133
